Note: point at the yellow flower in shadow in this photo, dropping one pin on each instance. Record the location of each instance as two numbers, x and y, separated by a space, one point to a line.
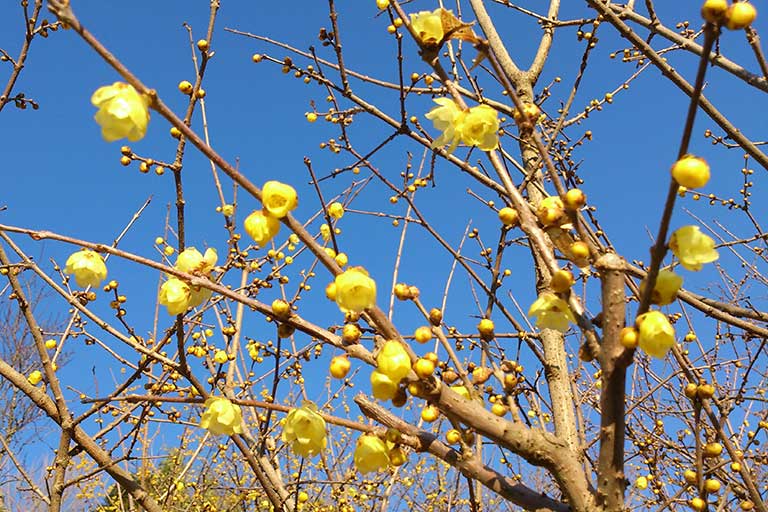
655 334
371 454
551 312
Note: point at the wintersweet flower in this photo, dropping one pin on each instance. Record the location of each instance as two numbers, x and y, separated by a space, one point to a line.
393 361
355 291
382 386
550 211
428 26
87 266
122 112
665 290
261 227
691 172
551 312
35 377
371 454
692 247
480 128
325 232
198 295
192 262
278 199
175 295
222 416
304 428
336 210
446 118
655 334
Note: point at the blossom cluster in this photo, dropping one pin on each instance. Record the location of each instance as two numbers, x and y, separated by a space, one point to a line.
178 295
278 200
476 126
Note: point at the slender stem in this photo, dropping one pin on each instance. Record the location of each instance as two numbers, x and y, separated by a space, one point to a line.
659 250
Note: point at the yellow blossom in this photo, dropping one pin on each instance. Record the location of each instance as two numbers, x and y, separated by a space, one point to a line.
336 210
667 285
692 247
382 386
262 228
551 312
122 112
87 266
655 334
220 356
371 454
355 291
691 172
192 262
278 199
479 127
222 416
198 295
550 211
175 295
393 361
35 377
325 232
304 428
446 118
428 26
461 390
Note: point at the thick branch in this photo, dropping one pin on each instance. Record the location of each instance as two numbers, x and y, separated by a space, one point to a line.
472 468
614 359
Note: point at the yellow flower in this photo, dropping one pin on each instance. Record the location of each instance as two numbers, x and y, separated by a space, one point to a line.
692 247
355 291
222 416
87 266
550 211
325 232
262 228
382 386
393 361
220 356
691 172
192 262
35 377
278 199
175 295
667 285
446 118
461 390
304 428
253 350
336 210
655 334
198 295
480 128
122 112
428 26
551 312
371 454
